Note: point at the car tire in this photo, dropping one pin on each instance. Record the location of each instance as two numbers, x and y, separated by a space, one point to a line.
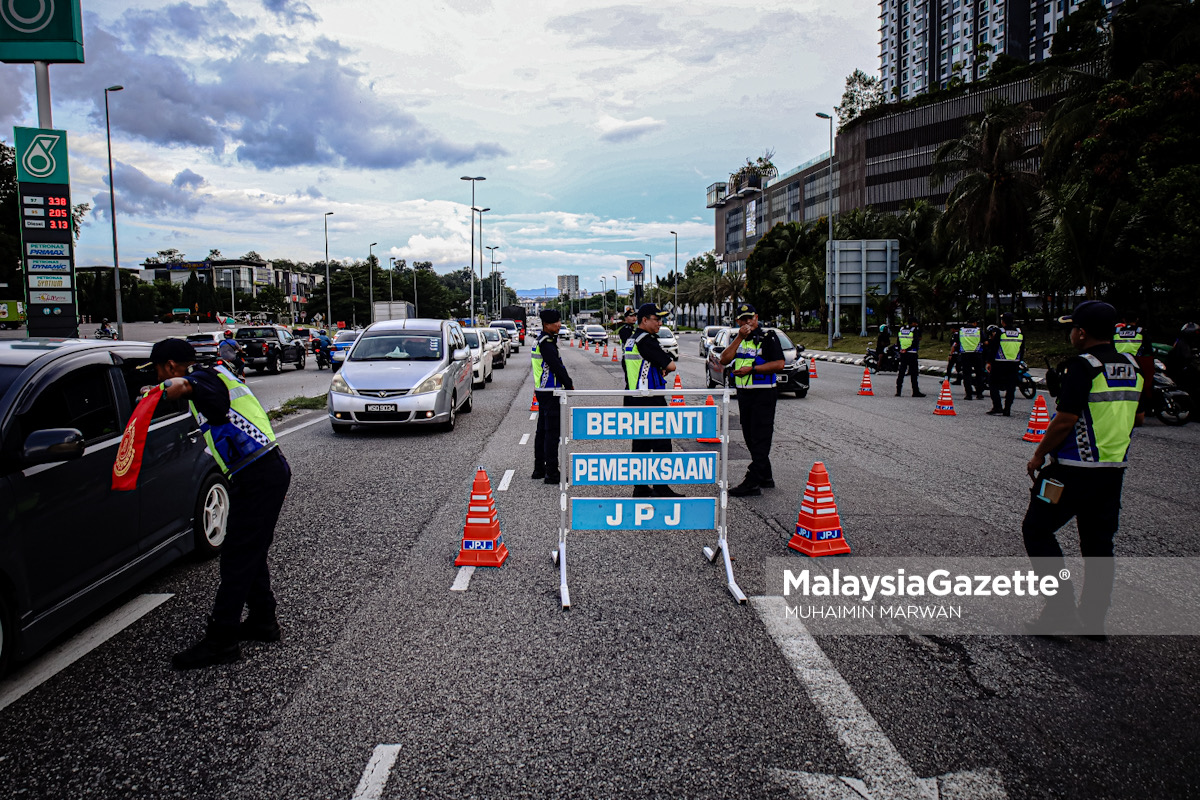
489 377
340 427
802 393
709 381
273 366
469 406
300 363
211 522
448 425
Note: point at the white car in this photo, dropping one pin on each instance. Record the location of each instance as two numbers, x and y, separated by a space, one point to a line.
481 357
668 342
497 346
565 333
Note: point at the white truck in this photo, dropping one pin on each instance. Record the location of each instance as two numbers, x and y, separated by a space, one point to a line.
392 309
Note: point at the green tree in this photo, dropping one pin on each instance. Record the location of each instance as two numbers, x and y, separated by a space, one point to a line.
862 92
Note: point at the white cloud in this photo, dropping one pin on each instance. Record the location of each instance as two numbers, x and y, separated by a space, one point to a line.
617 130
536 165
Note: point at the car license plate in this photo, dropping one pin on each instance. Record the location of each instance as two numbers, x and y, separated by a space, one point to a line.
381 406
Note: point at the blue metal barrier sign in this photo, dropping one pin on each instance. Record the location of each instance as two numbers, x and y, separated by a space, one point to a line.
650 514
631 469
643 422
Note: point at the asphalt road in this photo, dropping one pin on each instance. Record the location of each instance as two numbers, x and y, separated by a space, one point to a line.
655 683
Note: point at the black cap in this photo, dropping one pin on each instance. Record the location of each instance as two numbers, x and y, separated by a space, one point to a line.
629 311
172 350
745 310
550 316
650 310
1007 318
1097 318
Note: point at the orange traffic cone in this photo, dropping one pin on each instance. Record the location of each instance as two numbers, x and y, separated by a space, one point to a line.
677 399
945 401
864 388
1039 420
534 407
597 348
818 527
614 358
605 353
812 367
482 544
715 439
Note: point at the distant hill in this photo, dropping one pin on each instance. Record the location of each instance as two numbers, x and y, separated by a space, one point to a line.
539 292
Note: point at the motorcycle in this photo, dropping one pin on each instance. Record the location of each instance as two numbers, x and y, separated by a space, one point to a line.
322 355
100 333
1168 401
889 363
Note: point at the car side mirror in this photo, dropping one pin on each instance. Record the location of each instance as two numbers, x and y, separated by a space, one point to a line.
799 348
52 444
461 354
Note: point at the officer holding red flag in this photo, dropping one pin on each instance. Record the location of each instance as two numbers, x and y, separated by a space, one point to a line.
239 437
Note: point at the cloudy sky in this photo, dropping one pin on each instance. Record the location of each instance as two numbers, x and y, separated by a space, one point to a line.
597 125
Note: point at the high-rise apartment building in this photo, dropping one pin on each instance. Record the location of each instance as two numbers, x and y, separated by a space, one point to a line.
927 43
568 285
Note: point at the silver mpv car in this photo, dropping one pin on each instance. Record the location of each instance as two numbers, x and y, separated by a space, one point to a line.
403 371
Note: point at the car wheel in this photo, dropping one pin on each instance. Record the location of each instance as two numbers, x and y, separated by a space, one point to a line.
340 427
802 393
448 425
469 406
300 363
212 516
709 381
489 377
273 365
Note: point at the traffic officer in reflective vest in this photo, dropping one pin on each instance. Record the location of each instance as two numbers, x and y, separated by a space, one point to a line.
970 359
628 326
1007 347
646 367
240 439
909 339
548 375
1099 404
757 358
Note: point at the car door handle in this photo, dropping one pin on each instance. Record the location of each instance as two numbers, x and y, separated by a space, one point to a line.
193 435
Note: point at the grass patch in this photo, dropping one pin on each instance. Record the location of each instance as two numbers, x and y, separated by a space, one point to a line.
1039 345
297 404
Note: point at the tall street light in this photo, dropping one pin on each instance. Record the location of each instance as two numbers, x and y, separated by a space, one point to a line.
491 248
830 289
650 271
617 289
472 180
112 211
604 298
328 285
232 293
371 282
675 308
480 211
391 285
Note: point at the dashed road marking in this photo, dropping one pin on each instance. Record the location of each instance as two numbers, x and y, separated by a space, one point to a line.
525 439
506 480
375 776
883 772
533 416
463 579
46 667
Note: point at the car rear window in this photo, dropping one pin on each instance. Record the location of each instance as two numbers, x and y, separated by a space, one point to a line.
398 346
256 333
491 334
201 338
504 323
346 336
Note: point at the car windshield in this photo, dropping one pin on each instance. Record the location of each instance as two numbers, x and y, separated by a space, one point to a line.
595 329
398 346
491 334
346 336
712 330
471 336
256 333
665 333
506 325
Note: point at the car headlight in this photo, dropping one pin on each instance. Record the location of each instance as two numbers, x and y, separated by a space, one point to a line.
431 384
339 385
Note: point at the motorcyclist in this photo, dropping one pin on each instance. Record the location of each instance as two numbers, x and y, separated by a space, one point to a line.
232 353
1183 360
104 331
322 346
882 342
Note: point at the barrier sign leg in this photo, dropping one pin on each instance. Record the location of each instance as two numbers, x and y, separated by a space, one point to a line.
560 555
722 510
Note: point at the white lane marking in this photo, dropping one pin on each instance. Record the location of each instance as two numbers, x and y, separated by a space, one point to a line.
883 771
533 416
525 439
46 667
299 427
507 479
375 776
463 579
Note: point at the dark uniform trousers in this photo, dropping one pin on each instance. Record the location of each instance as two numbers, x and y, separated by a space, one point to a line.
970 367
1092 495
1003 379
256 496
648 445
908 366
545 441
756 409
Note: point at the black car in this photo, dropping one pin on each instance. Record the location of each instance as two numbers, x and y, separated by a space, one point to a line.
69 543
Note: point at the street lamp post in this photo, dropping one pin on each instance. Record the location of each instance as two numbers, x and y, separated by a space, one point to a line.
371 282
472 180
480 210
604 298
491 248
112 211
328 285
830 289
232 293
391 283
650 273
675 307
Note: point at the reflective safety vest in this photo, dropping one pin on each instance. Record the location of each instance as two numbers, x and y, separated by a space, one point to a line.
1105 428
543 376
749 354
1128 339
1010 344
245 435
969 340
907 337
639 373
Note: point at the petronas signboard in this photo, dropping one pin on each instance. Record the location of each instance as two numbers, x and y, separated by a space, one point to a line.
41 30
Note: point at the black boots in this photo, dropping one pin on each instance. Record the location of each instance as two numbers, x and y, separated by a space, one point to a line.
259 627
219 646
746 488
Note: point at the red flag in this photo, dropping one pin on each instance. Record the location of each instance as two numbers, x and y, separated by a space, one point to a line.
133 443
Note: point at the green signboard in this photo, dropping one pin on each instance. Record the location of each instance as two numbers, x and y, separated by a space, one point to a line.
41 154
41 30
